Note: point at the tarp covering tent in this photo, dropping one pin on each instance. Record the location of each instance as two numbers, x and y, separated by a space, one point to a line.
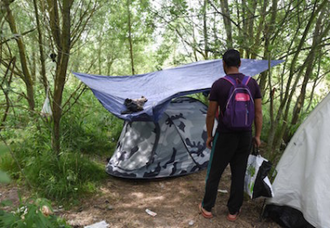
302 184
166 138
161 87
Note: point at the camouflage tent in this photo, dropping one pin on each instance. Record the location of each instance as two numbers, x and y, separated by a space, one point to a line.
175 145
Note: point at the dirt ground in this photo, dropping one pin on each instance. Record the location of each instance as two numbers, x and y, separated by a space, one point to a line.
123 203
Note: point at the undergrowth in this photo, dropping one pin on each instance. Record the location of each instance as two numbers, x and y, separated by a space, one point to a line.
32 213
88 135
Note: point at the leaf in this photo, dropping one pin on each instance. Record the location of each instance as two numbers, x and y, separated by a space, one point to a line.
4 178
7 219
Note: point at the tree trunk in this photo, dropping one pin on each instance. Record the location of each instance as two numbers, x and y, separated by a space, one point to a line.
22 53
267 36
99 56
290 92
252 6
206 46
227 22
6 90
277 130
63 41
41 49
257 40
130 36
301 98
239 26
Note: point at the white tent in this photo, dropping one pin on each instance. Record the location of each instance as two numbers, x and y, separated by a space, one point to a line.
302 185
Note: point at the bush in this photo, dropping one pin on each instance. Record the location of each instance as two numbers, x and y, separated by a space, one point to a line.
90 128
86 130
62 177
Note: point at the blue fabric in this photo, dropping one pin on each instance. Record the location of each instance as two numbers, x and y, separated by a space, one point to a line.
161 87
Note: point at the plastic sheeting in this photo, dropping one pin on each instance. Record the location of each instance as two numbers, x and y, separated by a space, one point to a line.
303 173
161 86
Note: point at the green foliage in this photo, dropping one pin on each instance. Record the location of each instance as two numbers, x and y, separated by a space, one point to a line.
71 174
30 214
4 178
89 133
64 177
90 128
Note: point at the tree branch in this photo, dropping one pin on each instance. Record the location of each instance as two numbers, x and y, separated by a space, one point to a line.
16 36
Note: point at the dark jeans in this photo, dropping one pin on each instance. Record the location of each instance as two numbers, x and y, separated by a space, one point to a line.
228 148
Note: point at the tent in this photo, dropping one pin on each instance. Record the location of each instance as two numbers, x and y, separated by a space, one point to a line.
175 145
166 138
301 187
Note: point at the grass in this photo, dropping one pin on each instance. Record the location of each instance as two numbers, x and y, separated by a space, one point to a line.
89 133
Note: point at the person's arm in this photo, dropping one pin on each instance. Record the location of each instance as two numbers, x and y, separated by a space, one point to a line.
257 121
211 111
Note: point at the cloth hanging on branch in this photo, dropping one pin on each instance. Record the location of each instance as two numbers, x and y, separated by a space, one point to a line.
46 109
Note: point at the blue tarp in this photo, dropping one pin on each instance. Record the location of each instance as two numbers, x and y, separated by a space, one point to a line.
161 87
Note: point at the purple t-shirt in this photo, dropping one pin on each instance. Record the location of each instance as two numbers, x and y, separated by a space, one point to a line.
220 92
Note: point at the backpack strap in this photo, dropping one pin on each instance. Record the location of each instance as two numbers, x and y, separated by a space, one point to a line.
230 80
246 80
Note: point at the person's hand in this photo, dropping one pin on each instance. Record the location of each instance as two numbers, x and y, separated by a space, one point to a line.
209 141
256 141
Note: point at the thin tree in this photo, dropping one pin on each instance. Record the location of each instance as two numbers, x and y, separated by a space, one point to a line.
26 75
130 41
65 34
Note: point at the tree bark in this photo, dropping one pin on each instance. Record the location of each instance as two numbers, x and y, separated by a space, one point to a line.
267 39
301 98
285 104
252 9
63 41
227 22
22 53
6 91
41 49
257 40
206 46
130 36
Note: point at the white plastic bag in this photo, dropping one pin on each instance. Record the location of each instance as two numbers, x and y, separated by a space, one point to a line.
46 109
256 181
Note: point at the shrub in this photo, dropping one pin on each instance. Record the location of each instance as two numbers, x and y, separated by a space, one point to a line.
65 176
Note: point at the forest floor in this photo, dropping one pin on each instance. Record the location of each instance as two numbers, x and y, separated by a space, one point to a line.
123 203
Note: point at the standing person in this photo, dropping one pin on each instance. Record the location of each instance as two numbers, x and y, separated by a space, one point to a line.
229 146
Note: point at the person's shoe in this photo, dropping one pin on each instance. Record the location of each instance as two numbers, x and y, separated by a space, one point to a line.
204 213
233 217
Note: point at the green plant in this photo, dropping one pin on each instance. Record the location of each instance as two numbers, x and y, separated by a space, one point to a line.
33 213
63 177
4 178
89 128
